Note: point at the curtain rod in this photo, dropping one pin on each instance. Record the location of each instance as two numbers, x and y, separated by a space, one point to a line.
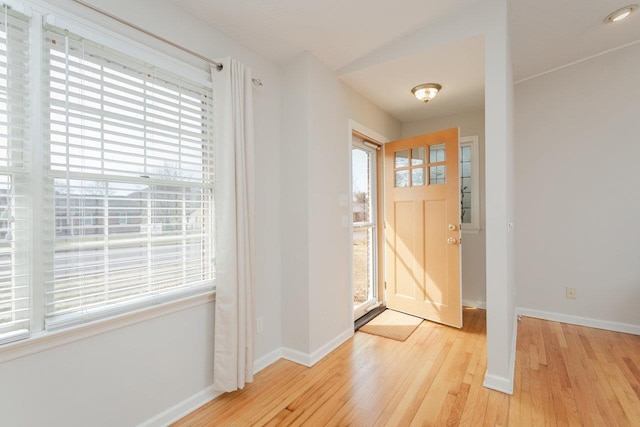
218 65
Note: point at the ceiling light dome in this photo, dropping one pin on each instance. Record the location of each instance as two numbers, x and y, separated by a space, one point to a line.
426 92
621 13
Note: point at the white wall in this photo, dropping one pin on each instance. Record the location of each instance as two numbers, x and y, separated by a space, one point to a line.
316 153
578 133
295 208
367 113
128 375
501 326
473 245
119 378
329 255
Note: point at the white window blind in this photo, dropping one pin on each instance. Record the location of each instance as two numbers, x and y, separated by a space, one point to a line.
129 179
14 176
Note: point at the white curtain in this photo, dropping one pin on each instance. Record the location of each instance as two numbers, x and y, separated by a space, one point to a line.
234 171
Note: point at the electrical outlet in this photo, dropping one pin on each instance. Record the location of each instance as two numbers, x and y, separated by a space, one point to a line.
259 324
571 293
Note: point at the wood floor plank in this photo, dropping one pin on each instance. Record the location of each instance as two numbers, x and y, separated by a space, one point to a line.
565 375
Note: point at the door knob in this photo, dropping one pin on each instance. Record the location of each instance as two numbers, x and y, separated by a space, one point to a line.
452 227
451 240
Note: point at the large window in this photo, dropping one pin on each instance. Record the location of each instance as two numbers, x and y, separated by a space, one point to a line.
130 179
123 186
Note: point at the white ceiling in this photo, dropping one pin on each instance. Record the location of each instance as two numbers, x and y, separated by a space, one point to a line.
335 31
545 34
458 67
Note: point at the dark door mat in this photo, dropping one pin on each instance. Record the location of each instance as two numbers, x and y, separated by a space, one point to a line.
359 323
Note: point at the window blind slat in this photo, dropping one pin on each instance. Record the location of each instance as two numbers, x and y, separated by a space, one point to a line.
124 89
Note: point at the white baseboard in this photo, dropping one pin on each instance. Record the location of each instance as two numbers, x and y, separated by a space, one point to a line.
505 384
501 384
267 360
310 359
296 356
183 408
474 303
320 353
514 353
627 328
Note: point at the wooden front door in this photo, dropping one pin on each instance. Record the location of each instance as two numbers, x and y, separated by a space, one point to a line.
422 227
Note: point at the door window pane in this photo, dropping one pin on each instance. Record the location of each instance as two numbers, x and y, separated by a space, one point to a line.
417 177
437 153
437 174
418 156
402 178
402 159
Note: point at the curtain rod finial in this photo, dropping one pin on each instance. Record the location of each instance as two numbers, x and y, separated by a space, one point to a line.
220 67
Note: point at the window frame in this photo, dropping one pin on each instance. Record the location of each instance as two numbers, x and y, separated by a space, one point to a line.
86 125
474 226
38 337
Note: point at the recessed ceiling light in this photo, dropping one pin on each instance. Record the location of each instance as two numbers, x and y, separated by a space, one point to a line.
621 13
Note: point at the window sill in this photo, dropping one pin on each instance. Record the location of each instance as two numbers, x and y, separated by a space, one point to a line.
46 340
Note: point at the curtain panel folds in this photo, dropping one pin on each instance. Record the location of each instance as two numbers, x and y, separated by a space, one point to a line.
234 198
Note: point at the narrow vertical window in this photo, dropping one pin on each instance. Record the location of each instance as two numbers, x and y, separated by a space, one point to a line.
15 305
469 185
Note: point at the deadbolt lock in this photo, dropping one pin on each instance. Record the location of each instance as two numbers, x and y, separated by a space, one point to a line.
452 227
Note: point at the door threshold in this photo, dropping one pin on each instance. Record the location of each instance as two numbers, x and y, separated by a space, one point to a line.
359 323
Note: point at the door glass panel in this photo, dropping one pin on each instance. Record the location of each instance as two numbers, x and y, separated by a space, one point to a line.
465 184
417 177
361 161
437 174
418 156
364 262
466 216
402 178
465 153
437 153
402 158
466 200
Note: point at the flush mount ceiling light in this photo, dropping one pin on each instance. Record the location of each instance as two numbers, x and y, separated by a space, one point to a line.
621 13
426 92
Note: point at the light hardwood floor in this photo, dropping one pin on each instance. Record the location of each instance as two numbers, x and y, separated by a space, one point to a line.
565 375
